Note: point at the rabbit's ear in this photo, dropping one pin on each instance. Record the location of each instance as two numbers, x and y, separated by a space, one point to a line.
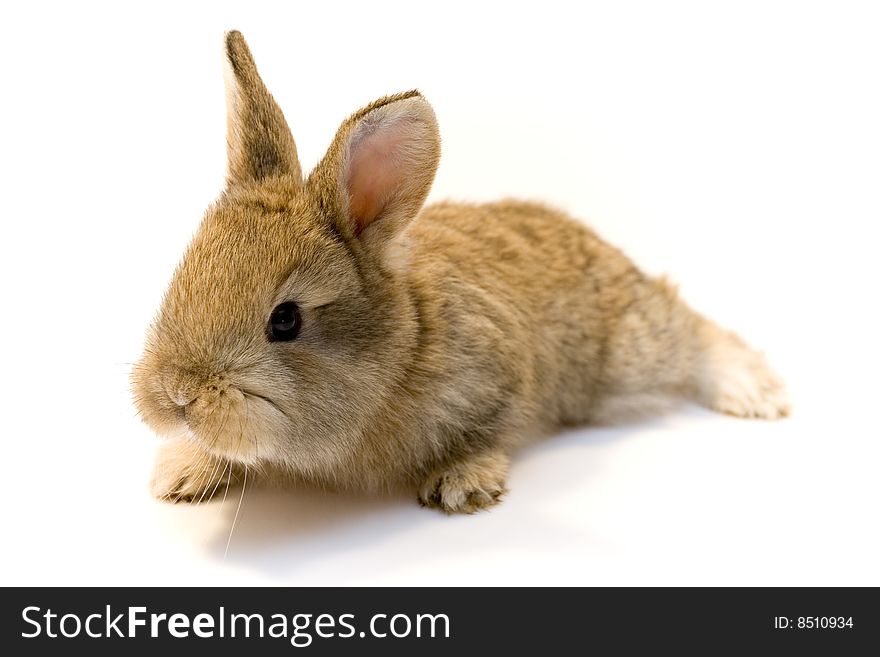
259 143
379 169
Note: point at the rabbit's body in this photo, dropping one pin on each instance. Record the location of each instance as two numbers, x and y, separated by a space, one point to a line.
523 321
426 345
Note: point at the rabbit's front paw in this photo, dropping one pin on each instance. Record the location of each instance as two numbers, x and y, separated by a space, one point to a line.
183 473
466 486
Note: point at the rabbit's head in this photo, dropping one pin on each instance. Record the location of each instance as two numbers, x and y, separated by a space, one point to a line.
284 327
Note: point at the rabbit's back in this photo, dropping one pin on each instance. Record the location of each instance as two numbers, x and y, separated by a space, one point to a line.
525 301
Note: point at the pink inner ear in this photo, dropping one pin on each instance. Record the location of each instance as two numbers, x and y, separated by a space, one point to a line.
375 170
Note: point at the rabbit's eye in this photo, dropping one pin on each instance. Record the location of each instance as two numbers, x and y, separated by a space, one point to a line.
285 322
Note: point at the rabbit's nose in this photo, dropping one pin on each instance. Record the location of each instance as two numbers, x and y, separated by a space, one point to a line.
180 389
181 397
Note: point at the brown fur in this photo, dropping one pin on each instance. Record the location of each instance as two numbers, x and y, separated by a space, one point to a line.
434 340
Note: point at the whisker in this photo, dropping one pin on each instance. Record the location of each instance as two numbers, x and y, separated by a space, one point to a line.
249 393
217 433
194 471
201 478
228 482
237 510
209 480
219 479
241 428
247 410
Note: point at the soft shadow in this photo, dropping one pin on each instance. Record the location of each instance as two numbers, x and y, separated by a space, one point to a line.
283 532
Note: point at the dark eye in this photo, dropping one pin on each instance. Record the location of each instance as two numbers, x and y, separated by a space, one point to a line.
285 322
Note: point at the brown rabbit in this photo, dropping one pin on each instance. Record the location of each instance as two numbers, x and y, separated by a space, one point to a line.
330 328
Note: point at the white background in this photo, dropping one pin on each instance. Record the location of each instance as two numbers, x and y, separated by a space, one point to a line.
735 146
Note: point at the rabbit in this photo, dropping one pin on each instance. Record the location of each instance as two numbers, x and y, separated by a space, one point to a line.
330 329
